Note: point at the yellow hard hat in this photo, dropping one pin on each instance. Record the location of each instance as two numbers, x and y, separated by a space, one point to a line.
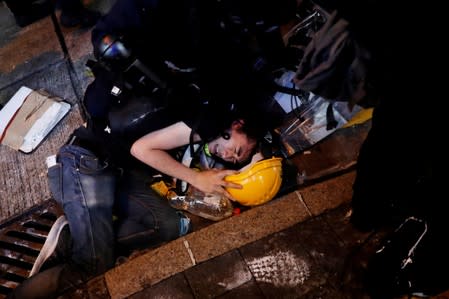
260 182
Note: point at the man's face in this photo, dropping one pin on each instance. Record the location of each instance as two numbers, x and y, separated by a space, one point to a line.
236 149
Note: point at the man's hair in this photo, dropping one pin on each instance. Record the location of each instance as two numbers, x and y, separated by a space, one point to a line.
251 127
259 116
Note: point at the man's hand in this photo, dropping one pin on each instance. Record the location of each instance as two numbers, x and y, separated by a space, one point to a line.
212 181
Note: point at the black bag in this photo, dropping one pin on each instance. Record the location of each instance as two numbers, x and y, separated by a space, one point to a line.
407 262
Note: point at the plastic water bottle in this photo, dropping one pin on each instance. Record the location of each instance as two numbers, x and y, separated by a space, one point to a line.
209 206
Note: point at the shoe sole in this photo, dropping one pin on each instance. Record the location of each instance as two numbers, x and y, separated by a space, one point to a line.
50 244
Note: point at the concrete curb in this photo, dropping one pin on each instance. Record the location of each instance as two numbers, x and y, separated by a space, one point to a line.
221 237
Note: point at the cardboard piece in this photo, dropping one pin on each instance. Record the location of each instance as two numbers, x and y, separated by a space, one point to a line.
28 117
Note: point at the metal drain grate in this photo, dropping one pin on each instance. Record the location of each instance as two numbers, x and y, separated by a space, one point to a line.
21 239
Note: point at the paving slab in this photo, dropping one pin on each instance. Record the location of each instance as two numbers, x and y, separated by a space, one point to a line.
248 290
207 282
173 287
321 196
282 268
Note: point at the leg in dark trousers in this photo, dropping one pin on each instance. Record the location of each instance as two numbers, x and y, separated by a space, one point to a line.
74 13
29 11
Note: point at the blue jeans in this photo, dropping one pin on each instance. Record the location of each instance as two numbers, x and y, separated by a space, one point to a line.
88 189
84 186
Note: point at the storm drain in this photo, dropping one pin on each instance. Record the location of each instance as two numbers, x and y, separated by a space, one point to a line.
21 239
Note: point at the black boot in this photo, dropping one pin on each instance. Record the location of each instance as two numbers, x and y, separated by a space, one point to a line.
52 282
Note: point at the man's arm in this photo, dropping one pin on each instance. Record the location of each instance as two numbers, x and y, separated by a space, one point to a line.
152 148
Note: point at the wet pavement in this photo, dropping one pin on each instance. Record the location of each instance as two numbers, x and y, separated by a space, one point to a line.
299 245
283 249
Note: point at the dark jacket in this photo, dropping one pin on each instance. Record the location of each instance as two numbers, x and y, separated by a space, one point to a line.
174 37
202 53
